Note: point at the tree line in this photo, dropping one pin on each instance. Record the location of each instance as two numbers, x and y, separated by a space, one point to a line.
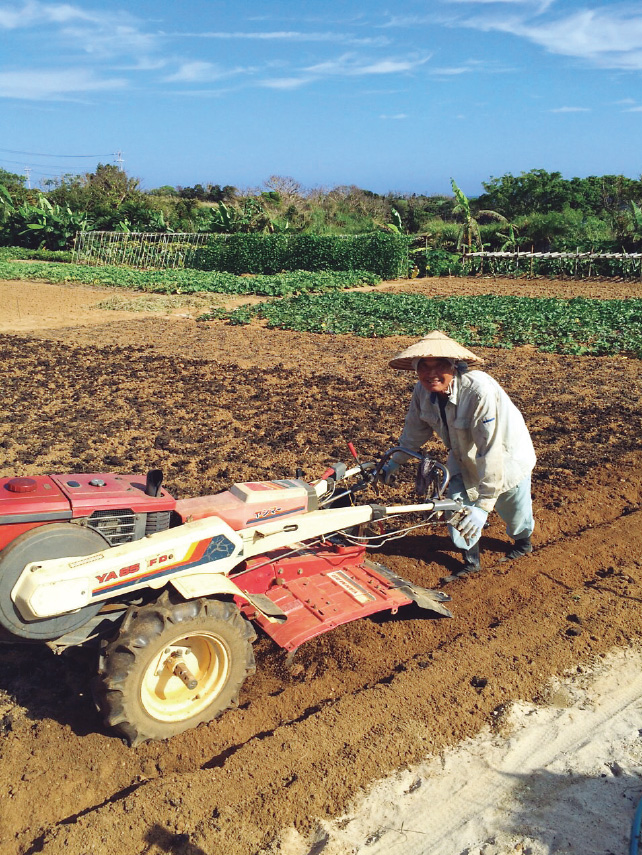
536 210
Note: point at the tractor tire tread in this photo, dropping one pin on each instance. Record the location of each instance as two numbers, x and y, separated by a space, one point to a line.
142 628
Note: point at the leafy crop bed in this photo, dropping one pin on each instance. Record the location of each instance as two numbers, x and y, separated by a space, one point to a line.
574 326
188 281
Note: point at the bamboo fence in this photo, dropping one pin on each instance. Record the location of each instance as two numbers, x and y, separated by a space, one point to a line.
140 250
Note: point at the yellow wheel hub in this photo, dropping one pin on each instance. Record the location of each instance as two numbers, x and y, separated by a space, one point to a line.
201 657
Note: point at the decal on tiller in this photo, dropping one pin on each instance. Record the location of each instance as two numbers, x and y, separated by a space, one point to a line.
257 486
351 587
157 561
268 512
273 513
117 574
201 552
97 556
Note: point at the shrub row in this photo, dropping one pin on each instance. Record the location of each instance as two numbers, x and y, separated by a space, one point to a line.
378 252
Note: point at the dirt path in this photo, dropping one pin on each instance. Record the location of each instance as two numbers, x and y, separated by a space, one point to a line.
211 404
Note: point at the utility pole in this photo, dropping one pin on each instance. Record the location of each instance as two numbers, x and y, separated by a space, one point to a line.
28 174
119 159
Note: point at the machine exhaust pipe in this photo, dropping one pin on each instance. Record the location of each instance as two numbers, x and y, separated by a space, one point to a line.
153 482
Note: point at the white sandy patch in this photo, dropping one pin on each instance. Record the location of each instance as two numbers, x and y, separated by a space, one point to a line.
564 778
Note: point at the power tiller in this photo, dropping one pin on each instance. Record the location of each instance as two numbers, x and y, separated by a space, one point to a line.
169 590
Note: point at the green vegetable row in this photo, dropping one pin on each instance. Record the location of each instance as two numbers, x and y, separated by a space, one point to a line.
10 253
189 281
577 326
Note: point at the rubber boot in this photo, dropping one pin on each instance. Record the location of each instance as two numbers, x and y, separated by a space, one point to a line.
519 549
471 561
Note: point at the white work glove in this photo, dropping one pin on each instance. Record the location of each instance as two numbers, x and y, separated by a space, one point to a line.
388 471
470 527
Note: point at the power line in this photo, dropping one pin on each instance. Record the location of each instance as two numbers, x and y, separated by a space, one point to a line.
46 174
40 165
40 154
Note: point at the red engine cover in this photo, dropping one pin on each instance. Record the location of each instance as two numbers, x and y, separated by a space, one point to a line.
27 502
105 491
37 495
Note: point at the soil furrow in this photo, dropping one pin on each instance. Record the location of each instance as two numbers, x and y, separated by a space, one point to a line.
212 404
280 704
424 707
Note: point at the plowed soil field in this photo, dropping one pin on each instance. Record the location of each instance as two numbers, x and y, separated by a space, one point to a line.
86 390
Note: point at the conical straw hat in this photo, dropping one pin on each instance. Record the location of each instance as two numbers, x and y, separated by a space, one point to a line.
435 345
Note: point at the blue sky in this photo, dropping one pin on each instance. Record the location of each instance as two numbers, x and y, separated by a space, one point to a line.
388 96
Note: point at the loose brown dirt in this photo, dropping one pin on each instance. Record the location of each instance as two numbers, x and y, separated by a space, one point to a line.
210 404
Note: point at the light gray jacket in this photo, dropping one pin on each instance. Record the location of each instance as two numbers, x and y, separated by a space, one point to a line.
488 441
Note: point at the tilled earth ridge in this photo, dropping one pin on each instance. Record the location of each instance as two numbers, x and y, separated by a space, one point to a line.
214 404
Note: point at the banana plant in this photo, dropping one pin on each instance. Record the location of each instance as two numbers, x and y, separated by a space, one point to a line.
224 219
510 241
469 232
252 217
395 227
40 225
636 218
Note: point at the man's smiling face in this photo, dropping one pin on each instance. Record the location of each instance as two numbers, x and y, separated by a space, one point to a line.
435 375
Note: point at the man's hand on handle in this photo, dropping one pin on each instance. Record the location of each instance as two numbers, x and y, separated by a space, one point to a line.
471 525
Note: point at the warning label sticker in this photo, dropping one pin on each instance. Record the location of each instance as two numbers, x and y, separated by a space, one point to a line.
351 587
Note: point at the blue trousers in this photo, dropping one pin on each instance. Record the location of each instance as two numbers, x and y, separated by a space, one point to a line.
514 506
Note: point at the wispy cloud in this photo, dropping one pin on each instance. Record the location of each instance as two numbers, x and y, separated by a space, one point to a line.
404 21
112 40
204 72
570 110
519 6
347 65
98 33
286 82
53 84
34 13
351 65
470 66
395 116
451 72
609 37
293 36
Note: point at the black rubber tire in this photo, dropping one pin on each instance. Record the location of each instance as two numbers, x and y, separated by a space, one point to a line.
140 696
55 540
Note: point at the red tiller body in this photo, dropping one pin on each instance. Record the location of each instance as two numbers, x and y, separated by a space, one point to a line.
318 589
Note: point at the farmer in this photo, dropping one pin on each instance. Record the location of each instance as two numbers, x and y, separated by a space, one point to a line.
490 453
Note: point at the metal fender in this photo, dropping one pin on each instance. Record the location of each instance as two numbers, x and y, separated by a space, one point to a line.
56 586
210 584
